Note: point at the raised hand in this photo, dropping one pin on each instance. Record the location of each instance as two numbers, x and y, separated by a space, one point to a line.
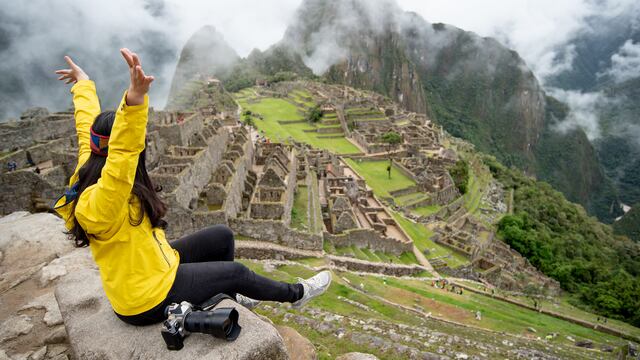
73 74
140 82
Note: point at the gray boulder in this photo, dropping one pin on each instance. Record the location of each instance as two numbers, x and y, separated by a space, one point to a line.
95 333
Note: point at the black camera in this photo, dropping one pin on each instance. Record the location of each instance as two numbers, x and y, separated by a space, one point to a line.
185 318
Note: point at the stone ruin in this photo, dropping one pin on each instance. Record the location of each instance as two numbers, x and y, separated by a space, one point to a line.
273 197
353 216
212 171
43 147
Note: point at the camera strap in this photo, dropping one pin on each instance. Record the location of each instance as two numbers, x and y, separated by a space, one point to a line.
212 302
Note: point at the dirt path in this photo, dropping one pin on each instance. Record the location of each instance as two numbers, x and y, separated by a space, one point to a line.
424 262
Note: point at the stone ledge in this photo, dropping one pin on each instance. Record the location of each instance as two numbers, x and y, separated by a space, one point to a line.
95 333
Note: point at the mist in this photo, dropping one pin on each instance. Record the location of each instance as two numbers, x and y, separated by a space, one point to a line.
35 35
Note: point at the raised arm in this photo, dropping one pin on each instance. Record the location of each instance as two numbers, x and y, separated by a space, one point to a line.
102 207
86 104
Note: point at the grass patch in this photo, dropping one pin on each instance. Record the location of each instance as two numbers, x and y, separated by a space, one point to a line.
408 199
375 173
496 315
273 110
426 210
299 212
421 237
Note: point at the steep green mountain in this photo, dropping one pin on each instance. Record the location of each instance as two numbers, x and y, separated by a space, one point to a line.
600 269
600 64
629 224
619 146
591 51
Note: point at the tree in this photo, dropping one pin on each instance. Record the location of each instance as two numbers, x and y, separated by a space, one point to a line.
460 175
248 120
392 139
314 114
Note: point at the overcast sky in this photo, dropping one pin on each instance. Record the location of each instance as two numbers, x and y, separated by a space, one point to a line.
532 27
35 34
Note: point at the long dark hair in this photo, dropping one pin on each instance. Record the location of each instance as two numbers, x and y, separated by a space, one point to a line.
143 188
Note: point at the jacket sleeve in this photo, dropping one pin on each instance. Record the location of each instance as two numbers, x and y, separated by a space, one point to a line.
103 206
87 107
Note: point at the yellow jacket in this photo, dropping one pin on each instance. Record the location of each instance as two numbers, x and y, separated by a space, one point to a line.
136 263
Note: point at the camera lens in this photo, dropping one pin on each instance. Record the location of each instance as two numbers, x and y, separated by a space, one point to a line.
221 323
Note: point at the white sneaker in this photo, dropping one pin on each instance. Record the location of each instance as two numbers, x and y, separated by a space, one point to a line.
313 286
246 301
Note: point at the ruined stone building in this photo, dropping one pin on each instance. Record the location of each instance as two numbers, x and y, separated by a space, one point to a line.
273 196
354 217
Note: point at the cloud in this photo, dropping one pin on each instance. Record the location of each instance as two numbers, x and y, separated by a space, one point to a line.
583 111
625 64
330 41
35 34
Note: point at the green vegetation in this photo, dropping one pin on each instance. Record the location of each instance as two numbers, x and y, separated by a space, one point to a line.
421 237
299 217
426 210
313 115
629 225
418 294
460 175
376 256
496 314
600 269
375 173
474 193
275 110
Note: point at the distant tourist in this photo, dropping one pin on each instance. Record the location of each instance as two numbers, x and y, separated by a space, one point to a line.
478 315
30 159
142 272
12 165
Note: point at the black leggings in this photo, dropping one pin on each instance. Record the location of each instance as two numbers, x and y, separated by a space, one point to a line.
207 269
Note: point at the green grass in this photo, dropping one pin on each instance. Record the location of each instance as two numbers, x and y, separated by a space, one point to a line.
375 256
371 256
408 199
299 213
421 237
474 193
564 307
274 110
408 258
315 218
375 173
496 315
426 210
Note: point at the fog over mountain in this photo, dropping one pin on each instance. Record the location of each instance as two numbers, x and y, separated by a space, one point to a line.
92 33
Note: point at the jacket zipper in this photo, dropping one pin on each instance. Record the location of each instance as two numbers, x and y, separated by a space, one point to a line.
160 247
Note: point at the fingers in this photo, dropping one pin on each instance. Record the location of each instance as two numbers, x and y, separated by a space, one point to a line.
136 59
126 54
140 72
69 61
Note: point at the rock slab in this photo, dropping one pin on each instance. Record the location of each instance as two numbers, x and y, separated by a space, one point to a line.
95 333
